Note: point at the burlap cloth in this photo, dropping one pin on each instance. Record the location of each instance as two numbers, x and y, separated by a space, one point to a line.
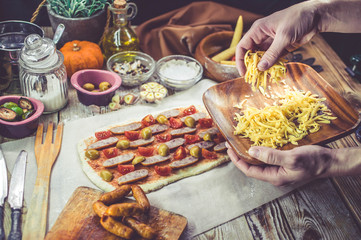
179 31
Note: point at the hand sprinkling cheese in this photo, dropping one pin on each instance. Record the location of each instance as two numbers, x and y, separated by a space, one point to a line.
259 78
297 114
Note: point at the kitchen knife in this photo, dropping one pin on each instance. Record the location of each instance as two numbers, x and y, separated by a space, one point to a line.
16 195
3 192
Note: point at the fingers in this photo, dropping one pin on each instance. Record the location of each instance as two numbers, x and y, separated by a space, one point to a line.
274 52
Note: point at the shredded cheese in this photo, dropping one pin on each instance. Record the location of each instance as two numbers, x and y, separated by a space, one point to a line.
295 115
259 78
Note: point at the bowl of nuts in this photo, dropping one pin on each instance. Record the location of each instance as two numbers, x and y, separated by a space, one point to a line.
95 86
133 67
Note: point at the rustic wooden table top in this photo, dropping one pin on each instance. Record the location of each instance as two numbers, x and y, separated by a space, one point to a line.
323 209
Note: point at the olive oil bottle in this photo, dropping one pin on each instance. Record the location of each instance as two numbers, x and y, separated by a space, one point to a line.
121 37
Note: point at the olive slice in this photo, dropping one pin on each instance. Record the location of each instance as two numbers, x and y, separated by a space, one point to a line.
25 103
7 114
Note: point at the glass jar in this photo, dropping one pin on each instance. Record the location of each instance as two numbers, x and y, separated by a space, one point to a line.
121 37
42 73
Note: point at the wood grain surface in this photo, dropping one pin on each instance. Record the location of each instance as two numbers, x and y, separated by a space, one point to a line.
78 221
314 211
221 99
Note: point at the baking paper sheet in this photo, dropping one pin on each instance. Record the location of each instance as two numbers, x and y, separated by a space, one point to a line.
206 200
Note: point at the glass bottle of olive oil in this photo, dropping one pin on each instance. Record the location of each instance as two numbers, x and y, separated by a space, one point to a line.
121 37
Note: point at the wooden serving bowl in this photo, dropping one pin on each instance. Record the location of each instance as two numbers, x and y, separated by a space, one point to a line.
210 46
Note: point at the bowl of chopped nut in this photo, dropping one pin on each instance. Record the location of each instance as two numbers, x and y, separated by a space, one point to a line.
133 67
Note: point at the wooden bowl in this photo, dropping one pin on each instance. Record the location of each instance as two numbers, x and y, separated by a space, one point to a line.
210 46
221 98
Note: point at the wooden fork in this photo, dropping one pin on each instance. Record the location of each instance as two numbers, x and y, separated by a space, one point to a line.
45 154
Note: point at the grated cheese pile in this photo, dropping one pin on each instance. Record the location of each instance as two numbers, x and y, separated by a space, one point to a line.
295 116
259 78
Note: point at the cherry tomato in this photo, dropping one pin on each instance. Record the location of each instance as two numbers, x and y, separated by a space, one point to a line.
163 171
124 169
180 153
189 111
219 138
110 152
148 120
233 58
132 135
191 138
146 151
175 123
208 154
103 135
165 137
205 122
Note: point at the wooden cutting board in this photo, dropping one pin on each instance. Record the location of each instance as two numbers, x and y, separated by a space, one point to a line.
78 221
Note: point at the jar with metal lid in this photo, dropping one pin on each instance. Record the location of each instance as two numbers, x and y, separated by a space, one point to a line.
42 73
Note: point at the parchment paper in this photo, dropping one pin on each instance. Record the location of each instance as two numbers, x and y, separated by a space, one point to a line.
206 200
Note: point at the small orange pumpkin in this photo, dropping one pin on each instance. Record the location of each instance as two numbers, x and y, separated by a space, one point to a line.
80 55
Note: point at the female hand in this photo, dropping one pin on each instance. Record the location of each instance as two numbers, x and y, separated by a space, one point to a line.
287 167
277 33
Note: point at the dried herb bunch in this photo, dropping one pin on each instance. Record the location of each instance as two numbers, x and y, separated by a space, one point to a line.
76 8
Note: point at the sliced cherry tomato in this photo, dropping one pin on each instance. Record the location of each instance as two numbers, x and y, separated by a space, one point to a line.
148 120
205 122
103 135
124 169
189 111
191 138
110 152
175 123
132 135
146 151
219 138
208 154
163 171
233 58
165 137
180 153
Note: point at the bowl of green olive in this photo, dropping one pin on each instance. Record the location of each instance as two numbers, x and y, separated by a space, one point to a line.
95 86
19 116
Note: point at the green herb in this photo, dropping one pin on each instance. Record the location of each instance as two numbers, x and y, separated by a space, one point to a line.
76 8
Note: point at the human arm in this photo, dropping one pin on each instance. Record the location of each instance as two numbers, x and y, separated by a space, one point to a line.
288 29
299 164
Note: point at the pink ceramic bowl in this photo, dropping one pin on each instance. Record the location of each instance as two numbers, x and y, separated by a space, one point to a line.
95 77
23 128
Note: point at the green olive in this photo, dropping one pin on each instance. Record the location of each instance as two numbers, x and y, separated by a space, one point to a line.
92 154
89 86
162 119
103 86
138 159
207 137
163 150
123 144
106 175
189 122
146 133
195 151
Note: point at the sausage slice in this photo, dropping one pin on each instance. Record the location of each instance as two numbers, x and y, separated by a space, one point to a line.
133 176
141 142
155 159
220 147
176 142
169 113
183 163
157 128
129 127
196 116
203 144
112 162
103 143
211 131
182 131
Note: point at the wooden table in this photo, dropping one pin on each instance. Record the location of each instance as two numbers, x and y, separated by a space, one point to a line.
322 209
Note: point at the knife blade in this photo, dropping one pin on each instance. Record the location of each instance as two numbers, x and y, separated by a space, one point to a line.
16 195
3 192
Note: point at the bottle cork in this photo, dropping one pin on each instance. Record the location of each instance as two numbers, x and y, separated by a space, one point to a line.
119 4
